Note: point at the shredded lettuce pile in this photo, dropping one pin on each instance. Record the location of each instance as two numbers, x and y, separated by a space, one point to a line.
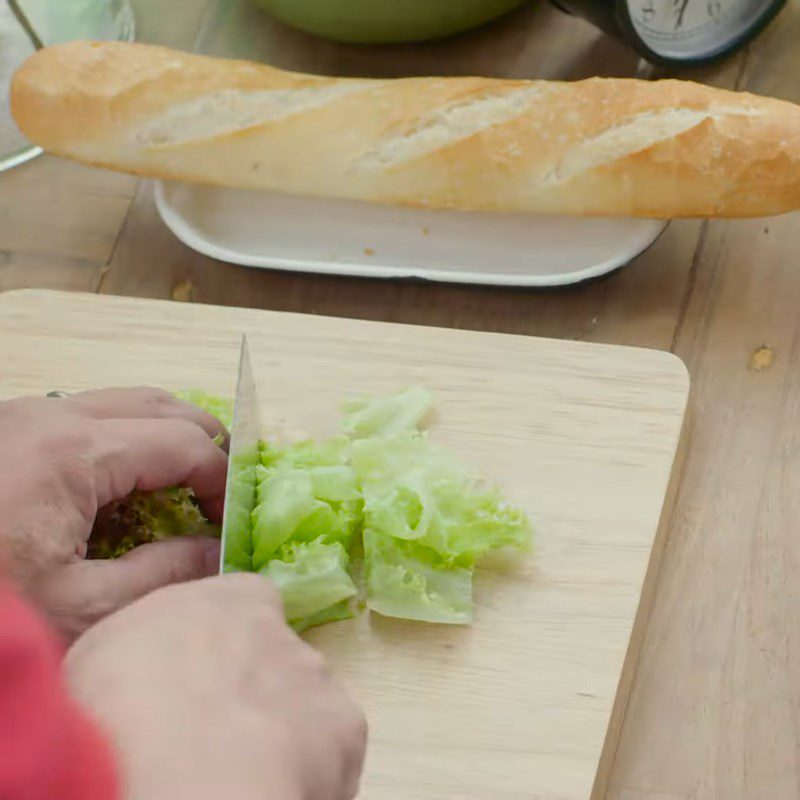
378 499
381 492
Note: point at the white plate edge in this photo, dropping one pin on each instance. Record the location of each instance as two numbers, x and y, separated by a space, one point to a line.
183 230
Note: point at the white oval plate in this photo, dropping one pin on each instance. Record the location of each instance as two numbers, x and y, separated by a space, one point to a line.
264 229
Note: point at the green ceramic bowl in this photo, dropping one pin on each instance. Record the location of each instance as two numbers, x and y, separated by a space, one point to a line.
386 21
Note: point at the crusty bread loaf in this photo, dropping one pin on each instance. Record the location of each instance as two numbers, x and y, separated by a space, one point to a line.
660 149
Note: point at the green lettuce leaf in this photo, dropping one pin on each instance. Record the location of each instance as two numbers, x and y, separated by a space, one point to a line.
402 412
313 579
335 613
306 491
307 453
416 491
408 580
426 522
297 505
285 499
149 517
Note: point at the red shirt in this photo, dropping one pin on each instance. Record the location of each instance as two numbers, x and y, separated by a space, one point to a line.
48 747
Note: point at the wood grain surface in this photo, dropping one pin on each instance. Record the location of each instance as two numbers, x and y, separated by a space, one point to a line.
715 705
582 436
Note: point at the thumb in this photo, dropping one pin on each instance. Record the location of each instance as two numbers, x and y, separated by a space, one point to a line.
77 595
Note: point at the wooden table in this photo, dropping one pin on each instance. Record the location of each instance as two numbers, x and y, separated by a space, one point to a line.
715 708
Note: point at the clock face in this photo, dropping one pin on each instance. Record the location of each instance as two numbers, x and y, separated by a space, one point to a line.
693 28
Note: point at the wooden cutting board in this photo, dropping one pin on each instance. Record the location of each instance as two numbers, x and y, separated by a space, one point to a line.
526 703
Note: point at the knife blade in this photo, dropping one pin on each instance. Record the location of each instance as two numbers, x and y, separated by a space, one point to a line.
236 551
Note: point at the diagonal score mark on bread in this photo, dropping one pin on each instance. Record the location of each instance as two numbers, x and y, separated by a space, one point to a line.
453 123
234 110
634 135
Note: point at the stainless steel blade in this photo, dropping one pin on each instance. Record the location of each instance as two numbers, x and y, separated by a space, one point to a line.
240 491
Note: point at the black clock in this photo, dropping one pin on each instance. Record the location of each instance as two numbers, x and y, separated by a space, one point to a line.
678 32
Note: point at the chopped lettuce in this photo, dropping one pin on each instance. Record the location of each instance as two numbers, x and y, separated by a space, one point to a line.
403 412
312 578
305 492
285 500
409 580
307 453
305 524
422 520
416 491
335 613
426 523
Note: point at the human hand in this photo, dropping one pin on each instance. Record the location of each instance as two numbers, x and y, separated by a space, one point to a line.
207 693
62 460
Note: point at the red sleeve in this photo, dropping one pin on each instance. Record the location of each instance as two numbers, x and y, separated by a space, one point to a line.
48 748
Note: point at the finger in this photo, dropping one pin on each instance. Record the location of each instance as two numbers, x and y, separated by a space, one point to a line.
352 735
357 755
81 594
247 589
145 403
151 454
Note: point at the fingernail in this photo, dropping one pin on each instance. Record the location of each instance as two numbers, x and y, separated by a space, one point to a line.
211 558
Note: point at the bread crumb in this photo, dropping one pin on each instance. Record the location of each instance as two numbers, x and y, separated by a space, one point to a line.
368 251
762 358
426 231
183 291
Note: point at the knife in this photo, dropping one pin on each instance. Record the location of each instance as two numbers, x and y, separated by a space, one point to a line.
236 551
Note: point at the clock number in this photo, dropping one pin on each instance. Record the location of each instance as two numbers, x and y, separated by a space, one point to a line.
680 10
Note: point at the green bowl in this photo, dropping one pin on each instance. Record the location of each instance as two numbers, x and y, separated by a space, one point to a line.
386 21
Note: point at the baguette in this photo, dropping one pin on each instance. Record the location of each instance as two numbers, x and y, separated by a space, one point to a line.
608 147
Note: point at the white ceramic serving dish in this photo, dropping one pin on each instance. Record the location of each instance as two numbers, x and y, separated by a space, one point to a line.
261 229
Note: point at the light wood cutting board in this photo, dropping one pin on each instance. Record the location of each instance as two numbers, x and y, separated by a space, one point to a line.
526 704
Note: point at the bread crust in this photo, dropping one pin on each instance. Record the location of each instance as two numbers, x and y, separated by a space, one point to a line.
608 147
